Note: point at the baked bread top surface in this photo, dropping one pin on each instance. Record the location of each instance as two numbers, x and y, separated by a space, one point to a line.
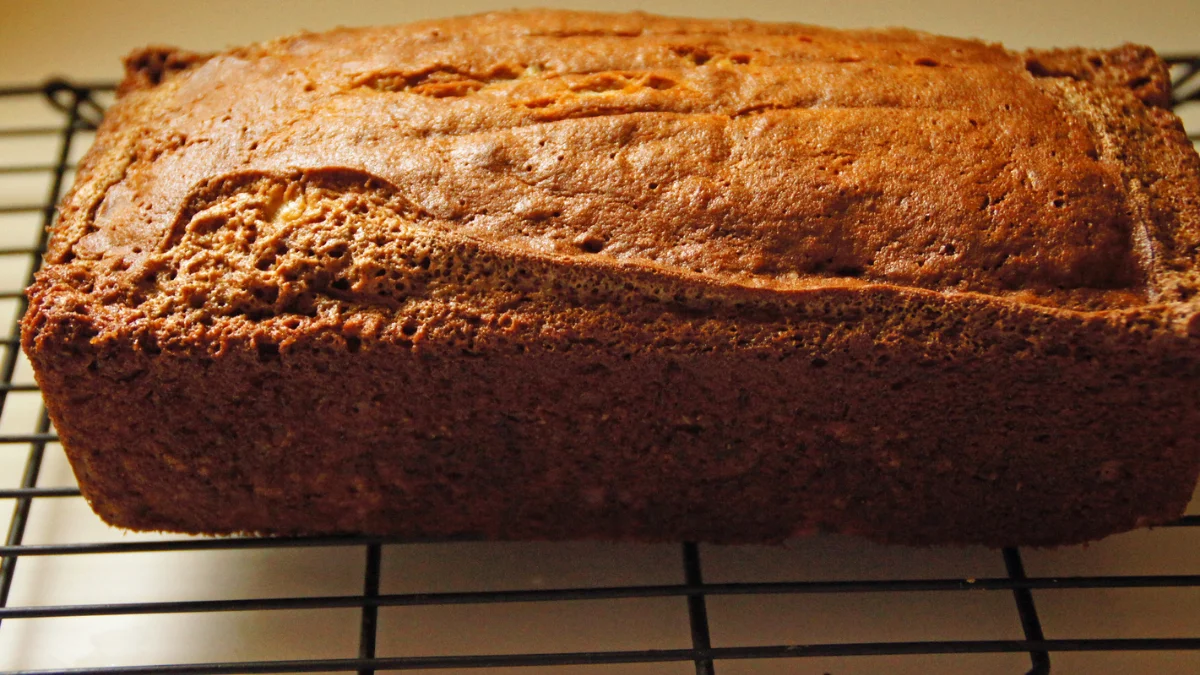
732 153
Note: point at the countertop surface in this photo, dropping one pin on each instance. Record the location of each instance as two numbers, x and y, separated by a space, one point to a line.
84 41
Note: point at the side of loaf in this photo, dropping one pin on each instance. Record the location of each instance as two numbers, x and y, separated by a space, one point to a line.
570 275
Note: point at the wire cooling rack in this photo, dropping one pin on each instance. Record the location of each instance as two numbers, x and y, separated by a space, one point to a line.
74 111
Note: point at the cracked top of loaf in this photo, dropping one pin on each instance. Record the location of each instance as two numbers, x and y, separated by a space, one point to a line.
732 154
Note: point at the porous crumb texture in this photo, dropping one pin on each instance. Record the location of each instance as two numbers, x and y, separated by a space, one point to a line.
566 275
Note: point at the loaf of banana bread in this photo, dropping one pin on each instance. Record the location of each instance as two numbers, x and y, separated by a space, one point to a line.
567 275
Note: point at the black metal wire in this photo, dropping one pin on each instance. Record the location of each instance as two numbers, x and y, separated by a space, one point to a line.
32 168
16 529
28 132
53 85
205 544
82 114
1031 624
697 608
644 656
12 295
1185 521
689 590
369 620
9 386
1185 70
26 208
77 103
37 437
233 543
16 493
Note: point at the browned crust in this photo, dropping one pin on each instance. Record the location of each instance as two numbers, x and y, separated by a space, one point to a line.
1133 67
1160 168
971 242
151 66
447 362
898 419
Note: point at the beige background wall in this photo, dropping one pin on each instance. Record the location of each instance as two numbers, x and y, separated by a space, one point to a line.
85 39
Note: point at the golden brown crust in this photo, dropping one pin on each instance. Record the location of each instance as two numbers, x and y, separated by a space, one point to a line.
728 149
151 66
770 246
1133 67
